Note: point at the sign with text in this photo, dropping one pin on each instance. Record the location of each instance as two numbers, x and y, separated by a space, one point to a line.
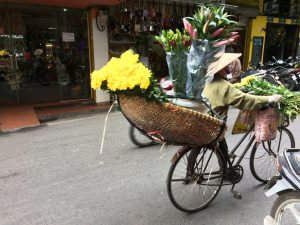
270 19
257 50
282 20
68 37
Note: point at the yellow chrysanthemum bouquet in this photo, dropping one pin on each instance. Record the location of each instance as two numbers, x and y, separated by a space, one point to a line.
126 75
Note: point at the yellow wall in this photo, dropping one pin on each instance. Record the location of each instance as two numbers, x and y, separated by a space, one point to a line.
257 27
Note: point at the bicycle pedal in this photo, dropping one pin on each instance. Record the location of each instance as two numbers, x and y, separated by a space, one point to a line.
236 194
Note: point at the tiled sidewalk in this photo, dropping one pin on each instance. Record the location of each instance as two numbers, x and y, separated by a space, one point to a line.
16 117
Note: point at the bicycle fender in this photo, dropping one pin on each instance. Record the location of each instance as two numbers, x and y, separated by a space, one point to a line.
280 185
179 152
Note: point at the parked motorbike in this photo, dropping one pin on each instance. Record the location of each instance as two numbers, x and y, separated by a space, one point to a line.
286 208
277 72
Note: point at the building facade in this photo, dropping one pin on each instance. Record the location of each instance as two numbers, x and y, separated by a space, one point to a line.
48 48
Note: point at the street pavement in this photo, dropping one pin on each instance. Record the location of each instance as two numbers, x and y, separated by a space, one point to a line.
54 175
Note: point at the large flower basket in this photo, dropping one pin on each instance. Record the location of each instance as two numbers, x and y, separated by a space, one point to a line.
170 123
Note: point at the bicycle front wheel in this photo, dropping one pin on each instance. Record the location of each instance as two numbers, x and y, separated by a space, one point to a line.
262 158
195 178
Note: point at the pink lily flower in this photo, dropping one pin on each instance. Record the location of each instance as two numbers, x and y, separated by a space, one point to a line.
235 37
189 28
224 42
217 32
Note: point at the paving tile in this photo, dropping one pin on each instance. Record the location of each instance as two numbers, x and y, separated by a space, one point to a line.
16 117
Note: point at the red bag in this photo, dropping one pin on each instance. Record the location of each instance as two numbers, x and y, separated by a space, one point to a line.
265 125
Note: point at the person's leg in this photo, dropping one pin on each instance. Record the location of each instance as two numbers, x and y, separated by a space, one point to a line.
224 149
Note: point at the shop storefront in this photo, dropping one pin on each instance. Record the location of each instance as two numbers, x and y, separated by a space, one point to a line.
276 34
45 55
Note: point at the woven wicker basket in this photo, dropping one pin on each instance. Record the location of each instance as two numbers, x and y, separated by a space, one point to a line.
172 124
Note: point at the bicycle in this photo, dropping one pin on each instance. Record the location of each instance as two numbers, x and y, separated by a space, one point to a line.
140 139
202 170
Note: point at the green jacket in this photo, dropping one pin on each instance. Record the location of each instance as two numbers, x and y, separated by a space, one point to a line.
221 94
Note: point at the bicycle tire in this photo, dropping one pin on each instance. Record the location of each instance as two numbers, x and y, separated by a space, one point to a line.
139 139
192 201
283 203
266 148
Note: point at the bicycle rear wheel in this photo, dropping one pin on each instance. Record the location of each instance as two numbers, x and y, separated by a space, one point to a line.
262 158
139 139
195 178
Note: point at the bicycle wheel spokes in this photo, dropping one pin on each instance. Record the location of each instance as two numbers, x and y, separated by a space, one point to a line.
193 189
262 159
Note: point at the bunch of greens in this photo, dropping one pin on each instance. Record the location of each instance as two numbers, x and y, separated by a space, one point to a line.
211 23
289 103
174 41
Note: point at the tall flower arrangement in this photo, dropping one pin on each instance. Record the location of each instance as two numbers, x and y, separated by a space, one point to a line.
176 45
211 28
126 75
213 24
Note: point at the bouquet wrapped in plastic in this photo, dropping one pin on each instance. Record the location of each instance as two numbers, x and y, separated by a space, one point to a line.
176 45
210 29
201 54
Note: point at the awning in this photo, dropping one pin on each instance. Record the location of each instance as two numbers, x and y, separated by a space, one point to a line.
66 3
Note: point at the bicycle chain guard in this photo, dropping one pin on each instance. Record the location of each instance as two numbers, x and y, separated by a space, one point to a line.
236 174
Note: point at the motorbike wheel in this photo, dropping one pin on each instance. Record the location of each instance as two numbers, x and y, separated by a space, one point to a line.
139 139
271 80
289 83
286 208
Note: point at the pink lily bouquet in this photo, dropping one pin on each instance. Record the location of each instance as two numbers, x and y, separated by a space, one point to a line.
210 29
213 24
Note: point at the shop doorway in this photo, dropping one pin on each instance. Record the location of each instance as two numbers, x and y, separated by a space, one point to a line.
281 41
44 54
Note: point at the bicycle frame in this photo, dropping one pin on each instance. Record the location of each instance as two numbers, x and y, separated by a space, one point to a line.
231 154
241 157
248 146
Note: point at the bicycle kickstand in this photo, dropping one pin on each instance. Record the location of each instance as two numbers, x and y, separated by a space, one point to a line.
236 194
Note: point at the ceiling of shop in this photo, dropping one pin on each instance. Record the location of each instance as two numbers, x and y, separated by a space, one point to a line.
66 3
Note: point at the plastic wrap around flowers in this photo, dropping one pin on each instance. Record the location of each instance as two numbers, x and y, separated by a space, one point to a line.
126 75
